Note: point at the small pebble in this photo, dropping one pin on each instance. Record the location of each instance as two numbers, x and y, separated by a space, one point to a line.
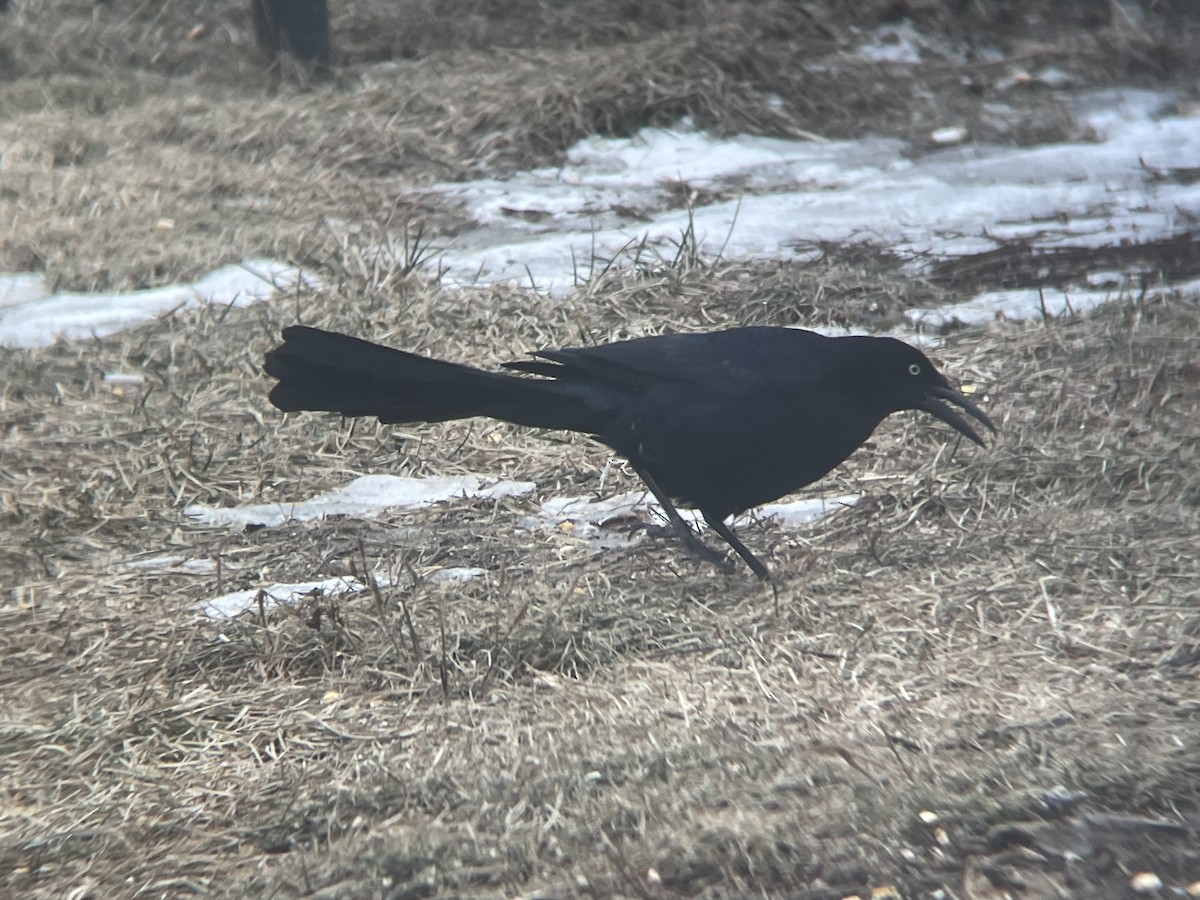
1145 882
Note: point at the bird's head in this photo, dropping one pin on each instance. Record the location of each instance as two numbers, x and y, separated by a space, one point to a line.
898 376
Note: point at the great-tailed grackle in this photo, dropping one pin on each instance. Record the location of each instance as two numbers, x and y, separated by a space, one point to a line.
720 421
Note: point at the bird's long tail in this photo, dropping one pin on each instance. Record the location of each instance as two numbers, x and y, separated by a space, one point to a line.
322 370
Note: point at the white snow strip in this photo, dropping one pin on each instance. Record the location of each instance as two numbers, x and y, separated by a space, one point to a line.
584 510
229 605
30 316
235 603
551 227
1106 278
154 562
456 573
795 513
641 505
1031 304
174 563
124 378
367 495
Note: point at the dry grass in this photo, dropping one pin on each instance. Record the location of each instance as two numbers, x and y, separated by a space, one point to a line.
985 626
979 629
149 145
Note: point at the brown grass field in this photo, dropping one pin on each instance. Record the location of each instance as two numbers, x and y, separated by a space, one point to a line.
980 682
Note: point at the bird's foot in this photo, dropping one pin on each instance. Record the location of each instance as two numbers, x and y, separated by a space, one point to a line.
697 546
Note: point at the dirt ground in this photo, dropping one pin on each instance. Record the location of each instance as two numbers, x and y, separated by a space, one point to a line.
979 682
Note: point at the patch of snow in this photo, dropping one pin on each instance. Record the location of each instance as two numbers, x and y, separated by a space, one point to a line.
795 513
584 510
617 199
1112 110
154 562
642 505
1050 77
607 181
124 378
176 563
365 496
235 603
22 288
1106 278
1031 304
30 316
456 573
1054 77
232 604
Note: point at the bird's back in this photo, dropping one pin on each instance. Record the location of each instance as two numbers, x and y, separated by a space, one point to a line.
728 420
734 360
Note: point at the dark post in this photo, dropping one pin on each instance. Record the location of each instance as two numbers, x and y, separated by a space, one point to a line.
300 27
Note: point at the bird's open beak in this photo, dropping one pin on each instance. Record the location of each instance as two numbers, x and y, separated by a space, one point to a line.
933 406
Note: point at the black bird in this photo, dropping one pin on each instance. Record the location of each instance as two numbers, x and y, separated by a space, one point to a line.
720 421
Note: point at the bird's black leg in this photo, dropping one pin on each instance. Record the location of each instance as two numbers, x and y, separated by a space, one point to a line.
682 528
717 524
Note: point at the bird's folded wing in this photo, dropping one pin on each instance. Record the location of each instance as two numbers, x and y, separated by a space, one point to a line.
721 361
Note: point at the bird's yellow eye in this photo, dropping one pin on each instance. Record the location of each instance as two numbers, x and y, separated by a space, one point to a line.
914 369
